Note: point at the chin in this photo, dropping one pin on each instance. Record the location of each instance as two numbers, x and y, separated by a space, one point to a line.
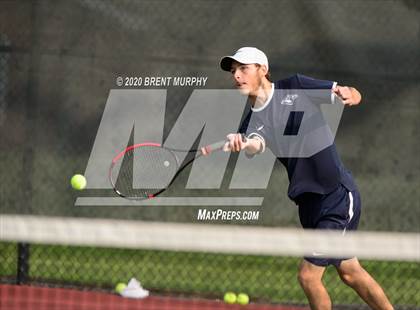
244 91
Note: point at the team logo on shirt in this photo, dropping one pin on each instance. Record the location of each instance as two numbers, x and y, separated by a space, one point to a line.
289 99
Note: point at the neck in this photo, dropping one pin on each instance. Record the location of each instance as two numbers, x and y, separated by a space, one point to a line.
260 96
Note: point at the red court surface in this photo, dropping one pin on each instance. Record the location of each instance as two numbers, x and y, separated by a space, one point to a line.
13 297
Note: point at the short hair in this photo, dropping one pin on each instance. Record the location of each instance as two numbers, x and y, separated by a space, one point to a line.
268 75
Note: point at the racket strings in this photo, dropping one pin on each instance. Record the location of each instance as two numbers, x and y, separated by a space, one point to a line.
144 171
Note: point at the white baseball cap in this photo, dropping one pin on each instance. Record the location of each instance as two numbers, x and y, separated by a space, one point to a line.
244 55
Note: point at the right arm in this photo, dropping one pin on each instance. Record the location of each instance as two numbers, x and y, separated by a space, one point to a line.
235 143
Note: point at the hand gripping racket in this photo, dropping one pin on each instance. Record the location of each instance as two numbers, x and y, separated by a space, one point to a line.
151 167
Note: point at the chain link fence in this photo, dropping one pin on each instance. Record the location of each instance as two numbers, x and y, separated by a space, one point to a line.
266 279
57 70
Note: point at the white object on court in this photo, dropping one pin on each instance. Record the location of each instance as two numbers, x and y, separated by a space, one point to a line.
134 290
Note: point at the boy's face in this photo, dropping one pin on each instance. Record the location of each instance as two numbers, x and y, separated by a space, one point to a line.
247 78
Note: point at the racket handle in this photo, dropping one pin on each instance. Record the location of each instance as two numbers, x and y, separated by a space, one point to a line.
219 145
215 146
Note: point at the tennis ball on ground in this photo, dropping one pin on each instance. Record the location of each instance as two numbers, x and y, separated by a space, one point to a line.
120 287
242 299
78 182
230 298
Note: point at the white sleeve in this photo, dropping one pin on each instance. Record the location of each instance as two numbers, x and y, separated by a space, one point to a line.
254 135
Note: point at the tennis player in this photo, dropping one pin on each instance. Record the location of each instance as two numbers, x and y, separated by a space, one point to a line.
323 189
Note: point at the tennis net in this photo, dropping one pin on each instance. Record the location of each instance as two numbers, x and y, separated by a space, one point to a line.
75 263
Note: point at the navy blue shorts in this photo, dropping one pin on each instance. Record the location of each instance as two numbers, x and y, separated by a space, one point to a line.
338 210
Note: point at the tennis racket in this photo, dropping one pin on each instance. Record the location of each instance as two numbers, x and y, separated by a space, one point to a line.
151 167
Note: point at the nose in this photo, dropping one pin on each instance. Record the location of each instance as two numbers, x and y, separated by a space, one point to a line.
236 74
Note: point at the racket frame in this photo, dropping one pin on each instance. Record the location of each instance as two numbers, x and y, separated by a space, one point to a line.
209 148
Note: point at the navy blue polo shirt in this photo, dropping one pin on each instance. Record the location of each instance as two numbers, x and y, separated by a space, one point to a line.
306 149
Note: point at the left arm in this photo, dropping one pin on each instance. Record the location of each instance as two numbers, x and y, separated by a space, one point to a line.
349 95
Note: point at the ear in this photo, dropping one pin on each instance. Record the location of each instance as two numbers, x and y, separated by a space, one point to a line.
263 69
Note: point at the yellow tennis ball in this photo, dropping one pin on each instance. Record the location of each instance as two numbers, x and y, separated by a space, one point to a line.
120 287
230 298
243 299
78 182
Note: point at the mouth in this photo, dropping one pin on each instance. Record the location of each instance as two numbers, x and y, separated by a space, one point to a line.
240 85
